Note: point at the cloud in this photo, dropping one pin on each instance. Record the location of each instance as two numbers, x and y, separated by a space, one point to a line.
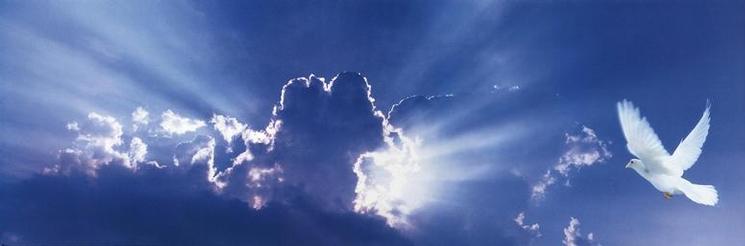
300 172
573 236
227 126
539 189
97 144
100 141
199 152
582 149
533 229
172 123
261 137
316 132
320 129
73 126
137 150
101 131
140 117
585 150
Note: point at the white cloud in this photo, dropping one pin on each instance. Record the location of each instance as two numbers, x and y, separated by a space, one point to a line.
102 130
173 123
254 136
251 136
206 154
96 144
100 142
573 236
583 149
227 126
73 126
533 229
137 151
539 189
571 232
385 181
140 117
243 157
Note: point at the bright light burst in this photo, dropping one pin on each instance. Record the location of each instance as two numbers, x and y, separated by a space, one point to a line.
410 173
389 181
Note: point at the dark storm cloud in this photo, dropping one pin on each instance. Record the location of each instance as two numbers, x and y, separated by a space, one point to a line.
324 131
323 128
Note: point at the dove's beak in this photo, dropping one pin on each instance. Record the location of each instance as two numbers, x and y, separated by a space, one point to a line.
628 165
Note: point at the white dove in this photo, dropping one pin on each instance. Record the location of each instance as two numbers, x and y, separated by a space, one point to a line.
656 165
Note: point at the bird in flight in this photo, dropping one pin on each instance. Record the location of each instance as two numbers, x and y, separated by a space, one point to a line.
656 165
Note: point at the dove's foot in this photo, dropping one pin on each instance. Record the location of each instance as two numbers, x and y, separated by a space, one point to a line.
667 195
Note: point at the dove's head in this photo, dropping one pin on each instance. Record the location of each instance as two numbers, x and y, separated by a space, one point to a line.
634 164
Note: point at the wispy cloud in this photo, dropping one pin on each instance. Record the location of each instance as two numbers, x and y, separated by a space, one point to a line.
534 229
573 236
582 149
172 123
140 117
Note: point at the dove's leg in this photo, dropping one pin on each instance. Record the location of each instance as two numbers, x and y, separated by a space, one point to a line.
667 195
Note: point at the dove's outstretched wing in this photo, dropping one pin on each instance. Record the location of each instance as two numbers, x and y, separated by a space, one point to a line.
641 139
690 148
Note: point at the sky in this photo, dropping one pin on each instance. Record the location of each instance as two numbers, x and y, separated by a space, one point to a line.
363 122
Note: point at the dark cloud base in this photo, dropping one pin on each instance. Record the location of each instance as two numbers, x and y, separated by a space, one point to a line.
153 207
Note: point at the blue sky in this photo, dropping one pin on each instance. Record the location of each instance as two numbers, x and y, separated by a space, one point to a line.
363 122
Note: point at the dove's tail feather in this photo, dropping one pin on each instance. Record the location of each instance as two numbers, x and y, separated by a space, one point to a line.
702 194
